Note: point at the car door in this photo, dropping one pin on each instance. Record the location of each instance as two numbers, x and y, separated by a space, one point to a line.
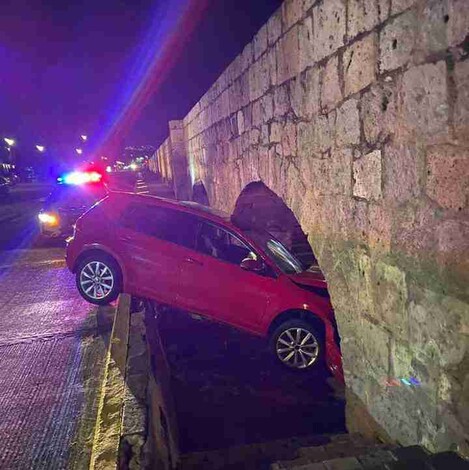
215 285
153 241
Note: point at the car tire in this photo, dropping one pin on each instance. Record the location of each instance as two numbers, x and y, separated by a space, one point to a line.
296 344
99 279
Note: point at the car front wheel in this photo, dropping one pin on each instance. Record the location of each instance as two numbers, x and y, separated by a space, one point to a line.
98 280
297 345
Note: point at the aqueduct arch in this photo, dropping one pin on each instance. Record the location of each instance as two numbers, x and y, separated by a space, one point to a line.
259 207
199 194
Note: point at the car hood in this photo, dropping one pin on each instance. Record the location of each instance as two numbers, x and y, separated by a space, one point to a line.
311 277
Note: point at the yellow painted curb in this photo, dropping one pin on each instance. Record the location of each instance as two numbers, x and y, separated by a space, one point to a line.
105 452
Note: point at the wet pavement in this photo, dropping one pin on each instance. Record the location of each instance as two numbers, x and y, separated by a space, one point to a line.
52 350
229 390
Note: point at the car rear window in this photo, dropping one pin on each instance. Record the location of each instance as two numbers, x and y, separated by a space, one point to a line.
162 223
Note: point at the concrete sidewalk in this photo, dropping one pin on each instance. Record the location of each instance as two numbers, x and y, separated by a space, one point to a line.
53 345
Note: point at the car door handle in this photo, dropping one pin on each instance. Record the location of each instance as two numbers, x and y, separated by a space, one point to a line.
193 261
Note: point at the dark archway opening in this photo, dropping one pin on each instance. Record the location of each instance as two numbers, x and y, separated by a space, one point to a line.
259 207
199 194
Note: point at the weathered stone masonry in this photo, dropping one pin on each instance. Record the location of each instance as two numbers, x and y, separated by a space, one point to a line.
356 113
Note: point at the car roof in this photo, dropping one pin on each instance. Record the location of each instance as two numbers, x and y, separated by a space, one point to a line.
189 207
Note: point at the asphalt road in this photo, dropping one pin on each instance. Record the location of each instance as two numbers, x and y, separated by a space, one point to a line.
52 348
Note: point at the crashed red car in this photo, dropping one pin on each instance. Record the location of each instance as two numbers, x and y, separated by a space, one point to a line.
192 257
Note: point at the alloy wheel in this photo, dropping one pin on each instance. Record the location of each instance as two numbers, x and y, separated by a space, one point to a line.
96 280
297 348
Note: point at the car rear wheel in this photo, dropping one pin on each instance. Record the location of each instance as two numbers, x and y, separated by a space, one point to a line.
297 345
98 279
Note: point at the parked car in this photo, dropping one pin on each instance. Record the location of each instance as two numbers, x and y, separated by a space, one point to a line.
192 257
71 197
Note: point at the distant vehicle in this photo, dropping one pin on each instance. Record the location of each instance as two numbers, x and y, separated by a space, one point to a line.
4 186
71 197
189 256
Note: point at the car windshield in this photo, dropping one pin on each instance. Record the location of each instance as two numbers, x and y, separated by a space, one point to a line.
76 196
277 252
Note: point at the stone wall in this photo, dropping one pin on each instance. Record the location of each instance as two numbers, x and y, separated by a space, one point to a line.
356 113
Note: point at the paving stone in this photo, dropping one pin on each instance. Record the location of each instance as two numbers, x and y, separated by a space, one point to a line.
349 463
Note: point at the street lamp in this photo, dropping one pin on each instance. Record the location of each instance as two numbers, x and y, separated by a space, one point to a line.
79 151
9 142
84 138
40 148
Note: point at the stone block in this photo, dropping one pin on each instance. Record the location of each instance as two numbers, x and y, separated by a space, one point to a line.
306 44
339 171
453 243
458 22
401 5
448 176
347 126
240 118
304 93
260 42
259 78
287 51
267 105
391 297
257 113
292 11
379 112
360 63
384 8
272 61
329 22
347 463
274 27
330 94
402 172
424 102
281 100
432 35
247 56
288 140
397 40
367 174
275 133
316 136
461 106
363 15
435 325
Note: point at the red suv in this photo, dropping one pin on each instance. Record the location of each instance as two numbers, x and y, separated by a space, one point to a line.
192 257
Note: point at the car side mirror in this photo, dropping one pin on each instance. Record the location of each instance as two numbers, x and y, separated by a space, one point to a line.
253 265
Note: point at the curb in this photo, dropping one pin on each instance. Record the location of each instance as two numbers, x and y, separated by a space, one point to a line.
107 434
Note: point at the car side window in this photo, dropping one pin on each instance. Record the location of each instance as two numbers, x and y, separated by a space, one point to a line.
215 241
162 223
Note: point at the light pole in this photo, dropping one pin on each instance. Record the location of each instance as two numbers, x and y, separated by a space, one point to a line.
40 148
10 143
79 151
84 137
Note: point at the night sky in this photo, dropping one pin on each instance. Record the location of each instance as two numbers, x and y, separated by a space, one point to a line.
67 68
